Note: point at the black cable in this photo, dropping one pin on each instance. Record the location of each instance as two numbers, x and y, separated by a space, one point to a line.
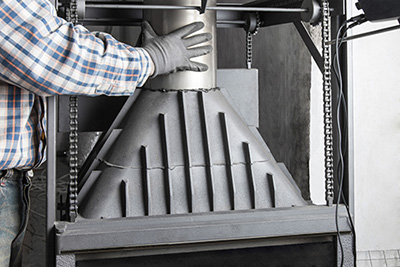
342 109
339 36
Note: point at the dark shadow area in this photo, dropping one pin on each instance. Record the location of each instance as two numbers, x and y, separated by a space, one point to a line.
317 254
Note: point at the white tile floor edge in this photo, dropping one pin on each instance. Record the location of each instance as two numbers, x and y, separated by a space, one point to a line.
378 258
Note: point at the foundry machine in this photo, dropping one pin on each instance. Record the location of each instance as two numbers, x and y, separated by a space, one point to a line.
179 175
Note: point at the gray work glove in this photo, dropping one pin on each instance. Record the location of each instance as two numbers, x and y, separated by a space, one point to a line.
172 52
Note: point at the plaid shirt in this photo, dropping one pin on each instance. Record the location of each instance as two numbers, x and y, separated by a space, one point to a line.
42 55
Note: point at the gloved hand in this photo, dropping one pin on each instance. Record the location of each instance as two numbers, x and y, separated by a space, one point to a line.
172 52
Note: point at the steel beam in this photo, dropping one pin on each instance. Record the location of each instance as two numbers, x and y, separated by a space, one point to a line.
142 232
131 13
51 178
214 8
310 44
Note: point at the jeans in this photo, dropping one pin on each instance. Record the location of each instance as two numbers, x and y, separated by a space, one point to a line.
14 207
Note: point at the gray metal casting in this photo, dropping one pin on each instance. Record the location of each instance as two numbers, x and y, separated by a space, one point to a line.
157 235
245 102
177 19
173 230
182 152
231 82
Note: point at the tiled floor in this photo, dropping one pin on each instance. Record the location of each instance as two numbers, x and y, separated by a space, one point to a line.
387 258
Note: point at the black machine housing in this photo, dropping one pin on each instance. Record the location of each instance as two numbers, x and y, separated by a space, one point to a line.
380 9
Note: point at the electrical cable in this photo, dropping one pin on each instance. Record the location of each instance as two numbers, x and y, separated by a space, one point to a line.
340 170
342 135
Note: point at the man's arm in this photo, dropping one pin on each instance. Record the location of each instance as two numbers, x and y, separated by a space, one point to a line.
46 55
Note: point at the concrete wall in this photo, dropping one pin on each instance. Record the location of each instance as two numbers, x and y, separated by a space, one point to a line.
376 91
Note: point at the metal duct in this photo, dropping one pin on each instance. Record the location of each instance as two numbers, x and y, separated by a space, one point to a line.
176 19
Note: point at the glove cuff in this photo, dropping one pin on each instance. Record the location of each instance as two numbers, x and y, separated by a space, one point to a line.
154 55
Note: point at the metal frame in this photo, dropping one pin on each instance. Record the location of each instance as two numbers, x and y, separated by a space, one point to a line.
51 178
172 230
338 17
217 8
199 232
68 234
305 35
350 102
228 15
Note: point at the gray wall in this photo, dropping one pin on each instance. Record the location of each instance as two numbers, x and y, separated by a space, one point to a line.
285 79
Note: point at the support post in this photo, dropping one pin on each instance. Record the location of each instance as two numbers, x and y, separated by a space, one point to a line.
51 179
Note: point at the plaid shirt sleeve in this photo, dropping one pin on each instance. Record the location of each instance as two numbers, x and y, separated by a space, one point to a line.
41 55
46 55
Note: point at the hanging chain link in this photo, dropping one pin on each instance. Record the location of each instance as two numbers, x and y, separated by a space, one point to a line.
73 158
249 42
73 11
327 95
73 136
249 50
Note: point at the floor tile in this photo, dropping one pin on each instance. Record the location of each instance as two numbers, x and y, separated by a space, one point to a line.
364 263
363 255
393 262
392 254
379 263
377 255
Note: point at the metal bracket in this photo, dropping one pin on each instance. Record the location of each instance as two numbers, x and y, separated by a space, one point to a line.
305 35
203 6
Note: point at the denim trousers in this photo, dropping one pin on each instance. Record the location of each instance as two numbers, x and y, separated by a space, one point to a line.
14 207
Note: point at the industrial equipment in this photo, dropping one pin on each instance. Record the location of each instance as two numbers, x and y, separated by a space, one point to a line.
181 176
375 10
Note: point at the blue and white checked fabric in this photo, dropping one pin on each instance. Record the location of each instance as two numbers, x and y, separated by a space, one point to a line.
42 55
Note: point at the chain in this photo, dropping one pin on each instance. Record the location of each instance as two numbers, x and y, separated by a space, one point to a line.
73 15
249 42
73 136
249 49
73 158
327 95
